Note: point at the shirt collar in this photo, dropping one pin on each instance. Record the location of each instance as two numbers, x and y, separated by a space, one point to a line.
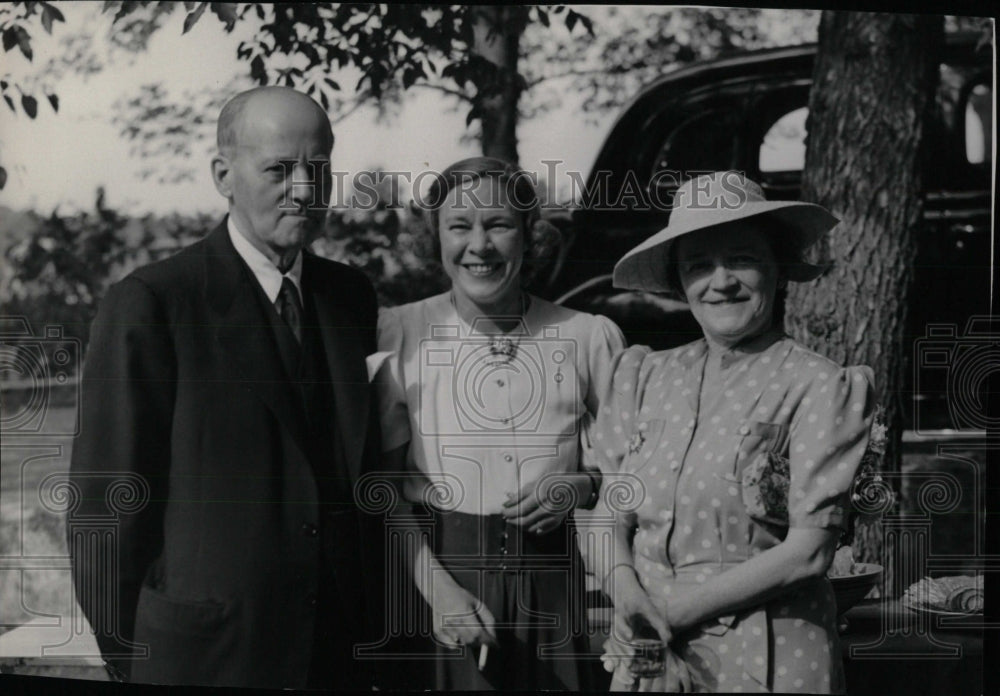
264 270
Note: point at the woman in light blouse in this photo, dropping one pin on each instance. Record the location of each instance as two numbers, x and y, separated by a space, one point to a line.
740 447
486 400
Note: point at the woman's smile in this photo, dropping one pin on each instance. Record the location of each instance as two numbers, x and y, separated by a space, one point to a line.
482 270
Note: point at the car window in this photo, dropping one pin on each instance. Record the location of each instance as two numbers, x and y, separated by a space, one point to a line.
979 125
702 142
784 146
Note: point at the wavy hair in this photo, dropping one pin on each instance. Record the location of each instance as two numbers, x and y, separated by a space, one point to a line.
541 238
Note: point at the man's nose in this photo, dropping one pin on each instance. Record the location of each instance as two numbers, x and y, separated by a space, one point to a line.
305 185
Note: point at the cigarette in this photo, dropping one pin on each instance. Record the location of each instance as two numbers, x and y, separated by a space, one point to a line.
484 650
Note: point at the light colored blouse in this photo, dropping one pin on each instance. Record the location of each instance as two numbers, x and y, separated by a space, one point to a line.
480 428
685 461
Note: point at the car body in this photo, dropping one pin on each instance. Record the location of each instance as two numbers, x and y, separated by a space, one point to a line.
747 112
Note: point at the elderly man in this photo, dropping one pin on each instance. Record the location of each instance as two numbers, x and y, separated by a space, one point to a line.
225 392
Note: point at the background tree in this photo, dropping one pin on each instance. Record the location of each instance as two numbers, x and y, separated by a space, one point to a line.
873 84
499 64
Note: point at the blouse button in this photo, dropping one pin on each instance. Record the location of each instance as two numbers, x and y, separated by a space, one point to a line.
674 466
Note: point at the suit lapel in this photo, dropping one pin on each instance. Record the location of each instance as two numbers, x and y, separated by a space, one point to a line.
345 357
244 332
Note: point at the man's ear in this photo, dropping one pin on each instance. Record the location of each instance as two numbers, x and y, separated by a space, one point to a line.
222 175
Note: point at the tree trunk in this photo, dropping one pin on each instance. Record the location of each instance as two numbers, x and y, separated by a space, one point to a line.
496 37
873 84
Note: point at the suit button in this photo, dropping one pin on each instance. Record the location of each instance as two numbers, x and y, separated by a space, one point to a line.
309 529
311 599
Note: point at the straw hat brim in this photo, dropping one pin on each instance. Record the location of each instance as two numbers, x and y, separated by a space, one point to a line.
801 225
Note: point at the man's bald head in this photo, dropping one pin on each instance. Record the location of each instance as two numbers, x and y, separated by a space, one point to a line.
268 100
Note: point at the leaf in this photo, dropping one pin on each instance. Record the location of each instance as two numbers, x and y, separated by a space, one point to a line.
54 101
324 101
24 41
10 103
9 38
54 11
472 115
193 18
30 105
543 16
46 20
257 71
3 177
333 84
225 11
571 20
126 9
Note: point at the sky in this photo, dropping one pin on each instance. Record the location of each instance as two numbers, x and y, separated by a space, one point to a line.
59 160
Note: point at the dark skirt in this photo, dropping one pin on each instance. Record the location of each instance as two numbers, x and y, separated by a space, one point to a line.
534 586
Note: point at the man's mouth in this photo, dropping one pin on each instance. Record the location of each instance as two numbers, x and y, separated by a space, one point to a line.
482 269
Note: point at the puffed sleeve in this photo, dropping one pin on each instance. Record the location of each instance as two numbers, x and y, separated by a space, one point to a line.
619 405
390 384
828 436
605 342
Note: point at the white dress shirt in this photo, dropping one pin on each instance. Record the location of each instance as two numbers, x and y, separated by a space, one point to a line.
264 270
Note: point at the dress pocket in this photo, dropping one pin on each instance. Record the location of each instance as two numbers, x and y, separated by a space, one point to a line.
763 471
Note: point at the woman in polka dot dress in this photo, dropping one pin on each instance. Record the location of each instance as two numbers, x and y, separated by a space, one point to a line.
735 453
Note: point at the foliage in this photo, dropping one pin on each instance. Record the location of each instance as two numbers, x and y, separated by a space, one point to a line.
62 266
631 52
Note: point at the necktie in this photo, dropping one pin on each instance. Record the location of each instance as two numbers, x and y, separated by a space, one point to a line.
289 307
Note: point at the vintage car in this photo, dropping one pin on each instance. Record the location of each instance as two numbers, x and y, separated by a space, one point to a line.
748 112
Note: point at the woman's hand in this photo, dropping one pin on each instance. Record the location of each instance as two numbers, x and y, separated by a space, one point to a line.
542 505
635 615
617 659
459 617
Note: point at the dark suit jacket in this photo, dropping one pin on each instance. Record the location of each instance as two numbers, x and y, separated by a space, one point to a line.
195 533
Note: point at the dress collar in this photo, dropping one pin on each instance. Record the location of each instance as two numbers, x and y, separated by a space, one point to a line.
752 346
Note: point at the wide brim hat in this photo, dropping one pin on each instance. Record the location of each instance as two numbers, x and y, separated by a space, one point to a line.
717 200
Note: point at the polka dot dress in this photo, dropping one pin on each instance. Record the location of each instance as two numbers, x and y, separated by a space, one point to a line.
692 522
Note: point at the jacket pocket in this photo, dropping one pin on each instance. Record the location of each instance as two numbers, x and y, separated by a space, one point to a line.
193 617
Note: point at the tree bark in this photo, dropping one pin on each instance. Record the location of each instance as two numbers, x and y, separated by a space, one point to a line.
497 34
873 85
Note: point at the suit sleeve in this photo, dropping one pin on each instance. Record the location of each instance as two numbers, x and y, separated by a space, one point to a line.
120 461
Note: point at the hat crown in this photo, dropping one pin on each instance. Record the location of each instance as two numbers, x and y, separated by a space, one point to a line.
727 190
